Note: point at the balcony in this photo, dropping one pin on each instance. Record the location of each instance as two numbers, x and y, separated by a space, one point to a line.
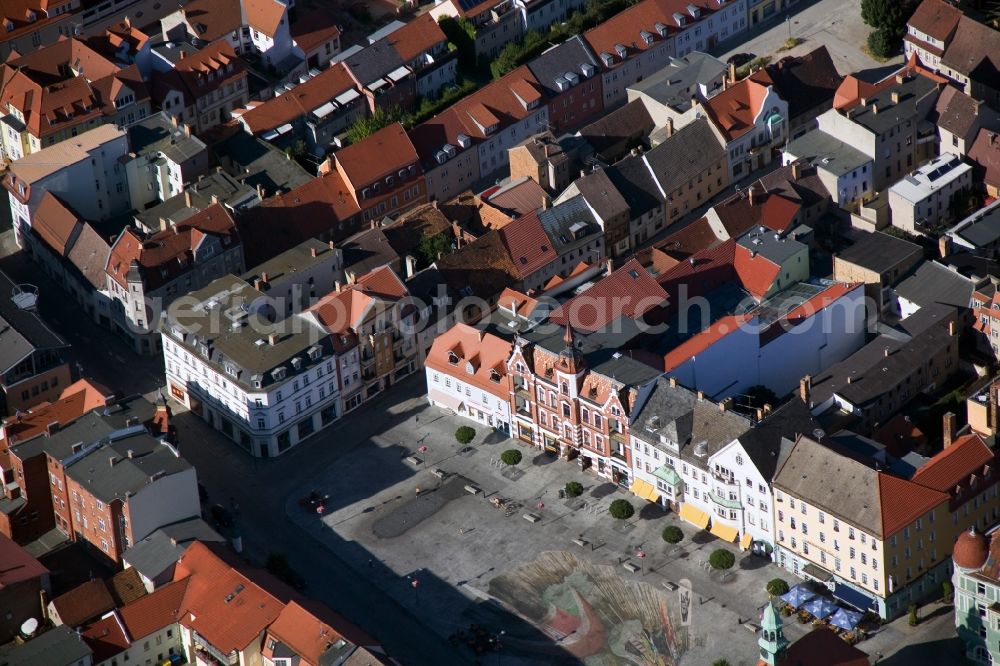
728 479
619 455
619 437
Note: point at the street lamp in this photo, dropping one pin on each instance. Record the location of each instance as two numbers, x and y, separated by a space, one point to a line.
415 584
788 22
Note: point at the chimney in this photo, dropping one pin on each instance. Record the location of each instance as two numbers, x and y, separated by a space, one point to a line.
885 352
337 286
272 339
895 97
951 328
850 379
173 541
694 101
332 245
326 166
545 149
257 284
724 404
312 252
164 224
187 130
751 191
875 109
767 409
411 266
900 79
263 277
673 382
131 454
805 388
545 202
759 414
701 395
112 460
260 191
944 246
611 265
215 198
948 428
670 126
434 204
864 101
796 170
732 72
187 198
173 120
52 428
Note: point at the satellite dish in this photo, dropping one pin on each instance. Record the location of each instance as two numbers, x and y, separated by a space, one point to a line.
818 434
29 626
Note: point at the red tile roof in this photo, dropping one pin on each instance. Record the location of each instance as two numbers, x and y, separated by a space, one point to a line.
733 110
212 19
755 271
529 246
169 252
822 647
55 223
264 15
51 100
201 74
106 638
985 152
393 147
341 311
702 341
629 292
486 353
225 607
74 401
416 37
624 28
18 564
300 101
156 610
495 103
313 28
936 18
308 636
83 603
904 501
967 456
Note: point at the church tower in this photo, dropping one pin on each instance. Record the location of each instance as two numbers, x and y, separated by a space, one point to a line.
772 641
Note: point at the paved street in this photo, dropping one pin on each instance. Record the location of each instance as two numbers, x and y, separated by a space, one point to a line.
834 23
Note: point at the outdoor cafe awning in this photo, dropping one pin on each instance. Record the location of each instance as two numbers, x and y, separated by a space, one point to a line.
746 541
451 402
724 532
645 490
853 597
694 515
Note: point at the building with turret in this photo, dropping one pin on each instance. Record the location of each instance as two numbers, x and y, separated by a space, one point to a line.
820 647
977 592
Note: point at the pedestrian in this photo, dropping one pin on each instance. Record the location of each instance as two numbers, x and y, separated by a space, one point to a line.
461 530
418 491
371 563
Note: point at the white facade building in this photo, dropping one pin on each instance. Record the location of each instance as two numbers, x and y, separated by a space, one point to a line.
921 201
265 385
84 172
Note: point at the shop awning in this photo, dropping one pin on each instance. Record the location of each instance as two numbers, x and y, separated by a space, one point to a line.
855 598
693 515
724 532
451 402
746 541
645 490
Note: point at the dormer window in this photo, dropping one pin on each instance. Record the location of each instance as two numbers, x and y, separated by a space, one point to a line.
297 363
607 59
694 11
278 373
661 29
230 369
680 19
452 358
646 37
315 352
389 180
621 51
494 376
469 368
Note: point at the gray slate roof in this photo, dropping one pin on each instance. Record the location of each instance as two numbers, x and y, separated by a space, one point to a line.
690 151
56 647
602 195
933 283
763 442
827 152
632 179
880 252
374 61
698 427
569 56
911 92
985 231
256 162
21 331
157 134
161 549
836 483
679 79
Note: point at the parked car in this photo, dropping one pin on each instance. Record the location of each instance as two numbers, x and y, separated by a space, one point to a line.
740 59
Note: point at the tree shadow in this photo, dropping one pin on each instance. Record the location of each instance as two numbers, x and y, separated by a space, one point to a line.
651 511
603 490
